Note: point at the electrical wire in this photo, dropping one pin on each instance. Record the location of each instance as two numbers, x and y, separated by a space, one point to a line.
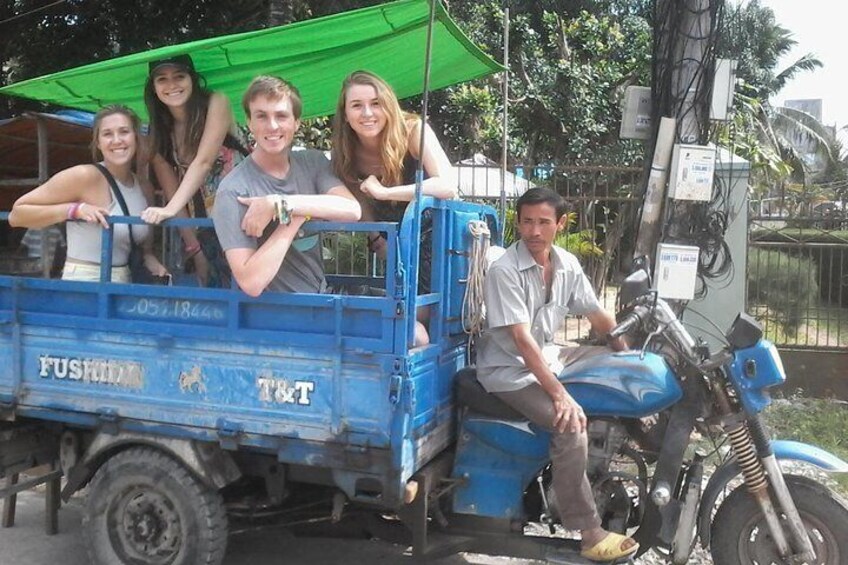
33 11
684 56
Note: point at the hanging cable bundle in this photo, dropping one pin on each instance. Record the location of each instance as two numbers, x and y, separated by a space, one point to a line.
472 303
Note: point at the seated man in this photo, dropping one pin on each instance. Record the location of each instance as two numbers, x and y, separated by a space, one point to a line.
528 292
275 183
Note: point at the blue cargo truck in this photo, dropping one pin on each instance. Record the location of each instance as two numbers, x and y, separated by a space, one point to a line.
180 408
200 388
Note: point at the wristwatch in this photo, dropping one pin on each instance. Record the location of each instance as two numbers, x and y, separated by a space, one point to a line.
283 210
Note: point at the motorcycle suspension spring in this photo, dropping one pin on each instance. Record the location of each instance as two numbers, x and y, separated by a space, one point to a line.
746 456
759 435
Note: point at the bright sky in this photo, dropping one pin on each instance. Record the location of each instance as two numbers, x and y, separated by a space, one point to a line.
819 28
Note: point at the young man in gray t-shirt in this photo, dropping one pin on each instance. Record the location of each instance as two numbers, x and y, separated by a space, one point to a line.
262 204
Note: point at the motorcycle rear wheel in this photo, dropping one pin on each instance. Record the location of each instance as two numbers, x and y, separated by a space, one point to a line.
740 535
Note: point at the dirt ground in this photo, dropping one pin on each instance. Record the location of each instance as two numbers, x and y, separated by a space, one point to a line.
26 544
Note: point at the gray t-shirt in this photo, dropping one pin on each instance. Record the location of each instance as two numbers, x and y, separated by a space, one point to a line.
309 173
514 293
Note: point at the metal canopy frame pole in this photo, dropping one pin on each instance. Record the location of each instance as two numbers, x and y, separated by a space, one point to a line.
505 116
415 242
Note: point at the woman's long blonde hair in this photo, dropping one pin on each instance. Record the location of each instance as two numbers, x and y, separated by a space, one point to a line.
393 140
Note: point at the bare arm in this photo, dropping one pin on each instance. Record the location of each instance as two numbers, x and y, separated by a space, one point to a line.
441 182
337 205
255 269
168 180
602 322
150 260
219 119
50 203
567 413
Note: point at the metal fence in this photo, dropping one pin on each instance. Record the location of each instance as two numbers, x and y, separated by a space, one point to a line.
798 275
604 211
600 199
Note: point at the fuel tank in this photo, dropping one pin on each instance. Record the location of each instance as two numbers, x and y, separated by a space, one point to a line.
622 384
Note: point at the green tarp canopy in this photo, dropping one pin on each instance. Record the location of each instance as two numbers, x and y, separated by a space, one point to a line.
315 55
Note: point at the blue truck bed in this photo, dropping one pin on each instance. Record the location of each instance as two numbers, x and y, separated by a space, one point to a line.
320 380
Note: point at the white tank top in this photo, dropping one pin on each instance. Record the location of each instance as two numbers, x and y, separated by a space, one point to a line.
84 239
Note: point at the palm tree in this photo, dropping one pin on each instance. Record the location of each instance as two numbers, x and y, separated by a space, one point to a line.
783 144
751 35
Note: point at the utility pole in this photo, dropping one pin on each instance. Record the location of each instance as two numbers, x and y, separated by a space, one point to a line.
692 86
683 87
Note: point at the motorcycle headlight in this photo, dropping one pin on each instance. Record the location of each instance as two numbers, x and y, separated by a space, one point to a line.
775 357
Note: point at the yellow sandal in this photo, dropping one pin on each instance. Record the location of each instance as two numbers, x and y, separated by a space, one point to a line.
609 549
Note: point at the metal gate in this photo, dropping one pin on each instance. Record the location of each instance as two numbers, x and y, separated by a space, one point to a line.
798 274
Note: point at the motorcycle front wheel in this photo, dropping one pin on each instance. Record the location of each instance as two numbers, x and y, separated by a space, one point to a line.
740 535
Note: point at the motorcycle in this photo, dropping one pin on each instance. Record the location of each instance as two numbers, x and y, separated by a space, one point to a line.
650 413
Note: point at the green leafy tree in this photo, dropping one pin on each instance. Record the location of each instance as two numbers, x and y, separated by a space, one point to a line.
784 145
752 36
570 62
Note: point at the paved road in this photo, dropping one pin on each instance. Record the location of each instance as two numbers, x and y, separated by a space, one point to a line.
26 544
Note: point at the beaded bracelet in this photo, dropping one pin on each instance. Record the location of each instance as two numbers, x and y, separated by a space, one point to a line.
72 211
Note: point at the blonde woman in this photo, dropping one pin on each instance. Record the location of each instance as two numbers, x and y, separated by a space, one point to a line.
84 193
376 151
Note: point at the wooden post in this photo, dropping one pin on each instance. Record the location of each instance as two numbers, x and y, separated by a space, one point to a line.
52 501
9 502
43 175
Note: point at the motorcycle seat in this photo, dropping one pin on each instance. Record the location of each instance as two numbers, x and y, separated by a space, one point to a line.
471 394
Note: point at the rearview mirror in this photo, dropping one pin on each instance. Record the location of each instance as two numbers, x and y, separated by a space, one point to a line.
635 285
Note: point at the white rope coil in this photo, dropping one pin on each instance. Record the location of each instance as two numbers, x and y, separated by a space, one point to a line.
473 311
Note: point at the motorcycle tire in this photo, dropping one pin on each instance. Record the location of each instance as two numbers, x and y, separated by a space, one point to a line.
740 535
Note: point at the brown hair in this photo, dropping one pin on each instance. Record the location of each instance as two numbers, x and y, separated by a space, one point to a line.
394 137
162 122
105 112
273 88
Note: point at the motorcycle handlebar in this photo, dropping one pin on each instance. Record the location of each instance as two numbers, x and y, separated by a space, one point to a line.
630 321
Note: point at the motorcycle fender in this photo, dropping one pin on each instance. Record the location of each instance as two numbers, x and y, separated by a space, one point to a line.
783 450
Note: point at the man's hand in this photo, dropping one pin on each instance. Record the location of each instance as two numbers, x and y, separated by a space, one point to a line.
260 212
618 344
568 415
374 188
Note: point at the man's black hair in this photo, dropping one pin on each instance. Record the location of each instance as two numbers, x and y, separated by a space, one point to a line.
542 196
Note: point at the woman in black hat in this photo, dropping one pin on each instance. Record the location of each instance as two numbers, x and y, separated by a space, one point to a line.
195 143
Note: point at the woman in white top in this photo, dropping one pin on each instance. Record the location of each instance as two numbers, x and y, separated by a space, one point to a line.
83 193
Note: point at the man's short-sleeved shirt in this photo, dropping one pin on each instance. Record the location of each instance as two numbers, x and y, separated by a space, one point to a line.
309 173
514 293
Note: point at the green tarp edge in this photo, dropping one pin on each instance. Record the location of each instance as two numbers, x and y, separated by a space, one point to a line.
388 39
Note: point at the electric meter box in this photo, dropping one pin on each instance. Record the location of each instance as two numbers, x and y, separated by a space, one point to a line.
692 171
636 114
721 105
677 271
